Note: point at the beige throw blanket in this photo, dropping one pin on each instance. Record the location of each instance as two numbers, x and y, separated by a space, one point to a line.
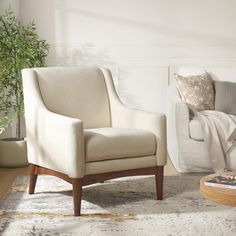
219 134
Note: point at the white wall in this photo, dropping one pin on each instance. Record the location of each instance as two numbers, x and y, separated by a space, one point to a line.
5 4
137 39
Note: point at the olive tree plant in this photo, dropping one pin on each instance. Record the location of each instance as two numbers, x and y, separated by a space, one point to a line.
20 47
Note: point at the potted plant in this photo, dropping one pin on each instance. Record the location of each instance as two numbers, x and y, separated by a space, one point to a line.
20 47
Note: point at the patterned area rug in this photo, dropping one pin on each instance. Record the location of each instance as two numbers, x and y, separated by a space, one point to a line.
123 206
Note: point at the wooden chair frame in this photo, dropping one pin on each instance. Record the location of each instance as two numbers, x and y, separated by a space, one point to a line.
77 183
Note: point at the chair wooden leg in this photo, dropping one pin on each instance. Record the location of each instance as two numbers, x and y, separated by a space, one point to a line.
32 178
159 182
77 193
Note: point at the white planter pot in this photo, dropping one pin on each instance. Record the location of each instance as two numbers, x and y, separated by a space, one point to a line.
13 153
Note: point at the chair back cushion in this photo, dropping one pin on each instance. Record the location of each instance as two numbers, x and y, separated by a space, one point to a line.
76 93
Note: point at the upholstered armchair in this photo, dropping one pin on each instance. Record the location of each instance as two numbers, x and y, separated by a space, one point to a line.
78 130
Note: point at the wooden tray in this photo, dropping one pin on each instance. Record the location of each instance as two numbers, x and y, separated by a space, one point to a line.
223 196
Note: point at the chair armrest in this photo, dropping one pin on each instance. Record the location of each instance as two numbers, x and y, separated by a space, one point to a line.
125 117
53 141
155 123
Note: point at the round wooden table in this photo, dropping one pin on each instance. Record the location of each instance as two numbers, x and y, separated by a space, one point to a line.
223 196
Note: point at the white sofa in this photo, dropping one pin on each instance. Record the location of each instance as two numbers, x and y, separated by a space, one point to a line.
185 138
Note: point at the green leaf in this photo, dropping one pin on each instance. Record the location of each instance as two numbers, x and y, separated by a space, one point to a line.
20 47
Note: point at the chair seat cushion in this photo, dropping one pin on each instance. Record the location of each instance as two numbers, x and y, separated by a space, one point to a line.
113 143
195 130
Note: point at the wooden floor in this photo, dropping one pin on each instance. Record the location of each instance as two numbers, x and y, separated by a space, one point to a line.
8 175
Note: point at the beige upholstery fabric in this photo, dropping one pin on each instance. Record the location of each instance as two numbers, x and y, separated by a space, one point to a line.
125 117
119 164
113 143
61 102
197 91
70 86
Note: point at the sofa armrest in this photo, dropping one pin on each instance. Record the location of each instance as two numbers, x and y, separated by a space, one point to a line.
53 141
177 113
177 124
123 116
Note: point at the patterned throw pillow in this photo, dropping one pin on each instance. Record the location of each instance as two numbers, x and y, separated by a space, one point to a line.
197 91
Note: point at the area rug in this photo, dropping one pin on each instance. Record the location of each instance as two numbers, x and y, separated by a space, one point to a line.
124 206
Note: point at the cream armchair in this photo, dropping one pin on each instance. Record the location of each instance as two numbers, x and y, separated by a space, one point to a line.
78 130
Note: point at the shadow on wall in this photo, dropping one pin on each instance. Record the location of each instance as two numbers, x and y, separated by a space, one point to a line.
156 27
125 93
88 55
83 56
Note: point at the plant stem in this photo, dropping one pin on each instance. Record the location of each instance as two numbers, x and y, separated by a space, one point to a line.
18 126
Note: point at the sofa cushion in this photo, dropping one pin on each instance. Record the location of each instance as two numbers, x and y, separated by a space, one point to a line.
114 143
195 130
197 91
225 97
